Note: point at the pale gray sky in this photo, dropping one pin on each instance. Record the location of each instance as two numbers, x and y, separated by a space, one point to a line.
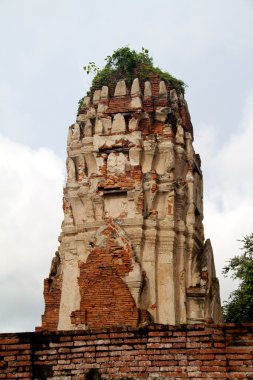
44 45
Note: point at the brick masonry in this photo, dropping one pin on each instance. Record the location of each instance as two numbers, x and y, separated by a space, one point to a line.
223 351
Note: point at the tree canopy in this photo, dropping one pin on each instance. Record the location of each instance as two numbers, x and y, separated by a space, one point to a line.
239 307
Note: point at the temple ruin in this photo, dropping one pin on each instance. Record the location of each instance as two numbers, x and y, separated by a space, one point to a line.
132 247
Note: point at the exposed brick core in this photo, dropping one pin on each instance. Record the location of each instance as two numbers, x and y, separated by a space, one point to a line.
105 297
154 352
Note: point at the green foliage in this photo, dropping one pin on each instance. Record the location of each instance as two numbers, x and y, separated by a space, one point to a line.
178 84
91 68
126 64
81 106
239 307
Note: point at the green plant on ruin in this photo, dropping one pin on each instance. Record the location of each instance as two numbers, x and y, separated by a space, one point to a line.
126 64
81 106
91 68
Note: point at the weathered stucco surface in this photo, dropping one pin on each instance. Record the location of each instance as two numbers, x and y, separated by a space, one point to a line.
132 247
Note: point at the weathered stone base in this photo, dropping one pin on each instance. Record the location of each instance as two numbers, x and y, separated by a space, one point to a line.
222 351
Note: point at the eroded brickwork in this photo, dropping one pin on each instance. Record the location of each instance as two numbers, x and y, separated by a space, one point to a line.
52 293
132 247
104 295
154 352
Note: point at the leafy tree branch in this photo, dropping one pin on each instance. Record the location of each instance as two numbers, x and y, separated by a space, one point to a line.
239 307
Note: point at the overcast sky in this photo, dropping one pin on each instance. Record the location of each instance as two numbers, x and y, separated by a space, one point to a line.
44 45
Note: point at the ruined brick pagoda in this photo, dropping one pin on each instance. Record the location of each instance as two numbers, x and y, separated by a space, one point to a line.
132 248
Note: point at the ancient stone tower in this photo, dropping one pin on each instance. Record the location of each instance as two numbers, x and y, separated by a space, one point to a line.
132 247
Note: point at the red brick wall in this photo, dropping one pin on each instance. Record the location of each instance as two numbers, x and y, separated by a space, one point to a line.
157 351
16 356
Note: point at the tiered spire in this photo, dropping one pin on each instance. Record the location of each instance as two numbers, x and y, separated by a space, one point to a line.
132 246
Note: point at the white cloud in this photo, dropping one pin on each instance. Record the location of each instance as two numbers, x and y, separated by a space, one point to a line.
228 190
30 203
